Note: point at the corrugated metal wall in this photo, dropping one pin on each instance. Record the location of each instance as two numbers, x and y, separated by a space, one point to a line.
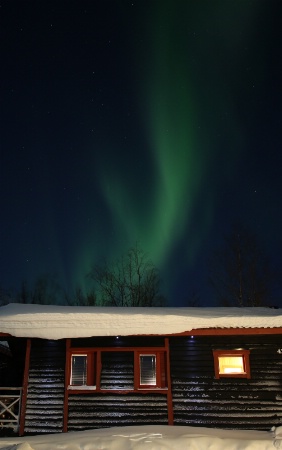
45 398
201 400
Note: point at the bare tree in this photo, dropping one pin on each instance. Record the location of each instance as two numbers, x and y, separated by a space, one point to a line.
81 299
5 297
240 271
24 294
45 290
193 300
132 280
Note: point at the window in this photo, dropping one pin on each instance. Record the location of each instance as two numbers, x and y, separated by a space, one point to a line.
231 363
123 369
148 374
151 368
78 370
83 370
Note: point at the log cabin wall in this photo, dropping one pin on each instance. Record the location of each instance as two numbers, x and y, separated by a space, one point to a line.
109 410
198 398
118 341
201 400
45 396
98 410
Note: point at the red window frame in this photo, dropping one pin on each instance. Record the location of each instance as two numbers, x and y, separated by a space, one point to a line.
94 368
161 369
91 367
245 354
164 379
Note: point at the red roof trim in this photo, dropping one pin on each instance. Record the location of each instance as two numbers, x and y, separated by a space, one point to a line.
229 331
220 332
201 332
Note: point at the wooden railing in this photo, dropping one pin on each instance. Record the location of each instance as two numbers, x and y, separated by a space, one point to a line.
10 407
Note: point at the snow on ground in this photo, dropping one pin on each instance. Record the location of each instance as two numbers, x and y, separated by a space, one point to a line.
58 322
150 437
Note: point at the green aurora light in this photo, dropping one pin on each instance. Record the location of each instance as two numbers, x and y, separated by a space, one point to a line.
156 210
166 194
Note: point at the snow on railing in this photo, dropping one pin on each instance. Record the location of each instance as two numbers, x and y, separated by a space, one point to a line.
10 407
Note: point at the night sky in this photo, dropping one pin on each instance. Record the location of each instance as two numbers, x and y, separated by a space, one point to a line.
157 121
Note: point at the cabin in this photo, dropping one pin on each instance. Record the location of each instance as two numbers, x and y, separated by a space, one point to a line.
77 368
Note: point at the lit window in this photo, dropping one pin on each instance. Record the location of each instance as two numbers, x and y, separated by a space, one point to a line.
231 363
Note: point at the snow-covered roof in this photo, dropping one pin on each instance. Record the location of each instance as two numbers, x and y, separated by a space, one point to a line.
57 322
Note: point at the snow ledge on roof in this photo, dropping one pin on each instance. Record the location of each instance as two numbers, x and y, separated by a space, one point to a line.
58 322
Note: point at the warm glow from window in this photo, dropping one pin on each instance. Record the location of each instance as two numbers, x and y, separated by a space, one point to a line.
231 364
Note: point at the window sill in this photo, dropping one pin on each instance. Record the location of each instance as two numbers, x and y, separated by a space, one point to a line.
234 375
91 389
154 388
81 388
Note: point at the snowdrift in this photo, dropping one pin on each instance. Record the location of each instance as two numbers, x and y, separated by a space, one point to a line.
150 437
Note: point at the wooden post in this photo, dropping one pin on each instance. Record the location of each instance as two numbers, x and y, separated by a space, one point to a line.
98 370
25 386
67 378
136 371
169 393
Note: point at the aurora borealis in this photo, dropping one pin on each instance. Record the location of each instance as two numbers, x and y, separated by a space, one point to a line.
151 121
